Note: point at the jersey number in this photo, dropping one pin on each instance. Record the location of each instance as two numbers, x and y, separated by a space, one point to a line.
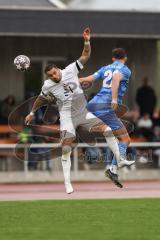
107 83
69 88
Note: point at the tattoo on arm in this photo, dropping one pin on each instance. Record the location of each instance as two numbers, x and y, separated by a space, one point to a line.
86 52
39 102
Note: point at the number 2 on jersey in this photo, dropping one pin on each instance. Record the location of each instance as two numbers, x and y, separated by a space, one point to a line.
107 83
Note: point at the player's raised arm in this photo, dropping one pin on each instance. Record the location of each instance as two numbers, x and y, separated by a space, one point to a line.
87 48
39 102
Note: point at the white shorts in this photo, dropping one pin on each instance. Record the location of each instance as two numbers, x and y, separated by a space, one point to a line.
69 124
66 123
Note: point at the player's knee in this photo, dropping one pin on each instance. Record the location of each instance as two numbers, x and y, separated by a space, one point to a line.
108 132
67 145
98 128
103 129
66 149
125 139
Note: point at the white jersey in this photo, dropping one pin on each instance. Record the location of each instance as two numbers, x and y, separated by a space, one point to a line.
67 88
70 99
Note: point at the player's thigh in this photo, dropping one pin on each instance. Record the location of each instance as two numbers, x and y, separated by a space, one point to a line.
90 122
110 118
66 127
90 128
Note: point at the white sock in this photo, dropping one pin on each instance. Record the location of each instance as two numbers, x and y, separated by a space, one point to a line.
112 143
114 169
66 165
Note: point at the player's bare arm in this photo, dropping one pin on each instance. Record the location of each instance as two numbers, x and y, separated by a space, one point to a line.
39 102
88 79
87 47
115 86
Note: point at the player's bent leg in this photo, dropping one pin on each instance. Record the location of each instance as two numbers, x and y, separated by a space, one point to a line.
110 138
122 135
124 141
66 163
98 128
113 145
110 118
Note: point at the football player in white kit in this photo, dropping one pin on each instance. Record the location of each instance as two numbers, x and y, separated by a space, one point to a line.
65 87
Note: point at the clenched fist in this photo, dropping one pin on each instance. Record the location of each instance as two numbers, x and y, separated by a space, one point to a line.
28 119
87 34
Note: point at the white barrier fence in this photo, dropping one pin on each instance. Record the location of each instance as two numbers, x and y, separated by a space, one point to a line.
26 147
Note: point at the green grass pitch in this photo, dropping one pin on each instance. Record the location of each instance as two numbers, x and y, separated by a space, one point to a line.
81 220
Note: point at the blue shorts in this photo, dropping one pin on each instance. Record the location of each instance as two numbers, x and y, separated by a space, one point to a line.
106 114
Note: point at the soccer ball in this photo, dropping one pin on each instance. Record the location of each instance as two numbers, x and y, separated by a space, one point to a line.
22 62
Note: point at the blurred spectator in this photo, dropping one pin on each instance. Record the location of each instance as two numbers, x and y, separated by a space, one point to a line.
46 155
144 125
146 98
145 122
156 151
156 134
92 155
156 138
156 118
6 107
40 157
25 135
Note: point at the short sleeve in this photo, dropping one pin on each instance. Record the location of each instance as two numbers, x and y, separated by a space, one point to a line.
125 72
75 67
99 74
44 91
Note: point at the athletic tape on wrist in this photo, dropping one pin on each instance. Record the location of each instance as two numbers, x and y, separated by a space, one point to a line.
32 113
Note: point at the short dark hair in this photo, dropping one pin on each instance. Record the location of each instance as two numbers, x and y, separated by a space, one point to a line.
49 67
119 53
